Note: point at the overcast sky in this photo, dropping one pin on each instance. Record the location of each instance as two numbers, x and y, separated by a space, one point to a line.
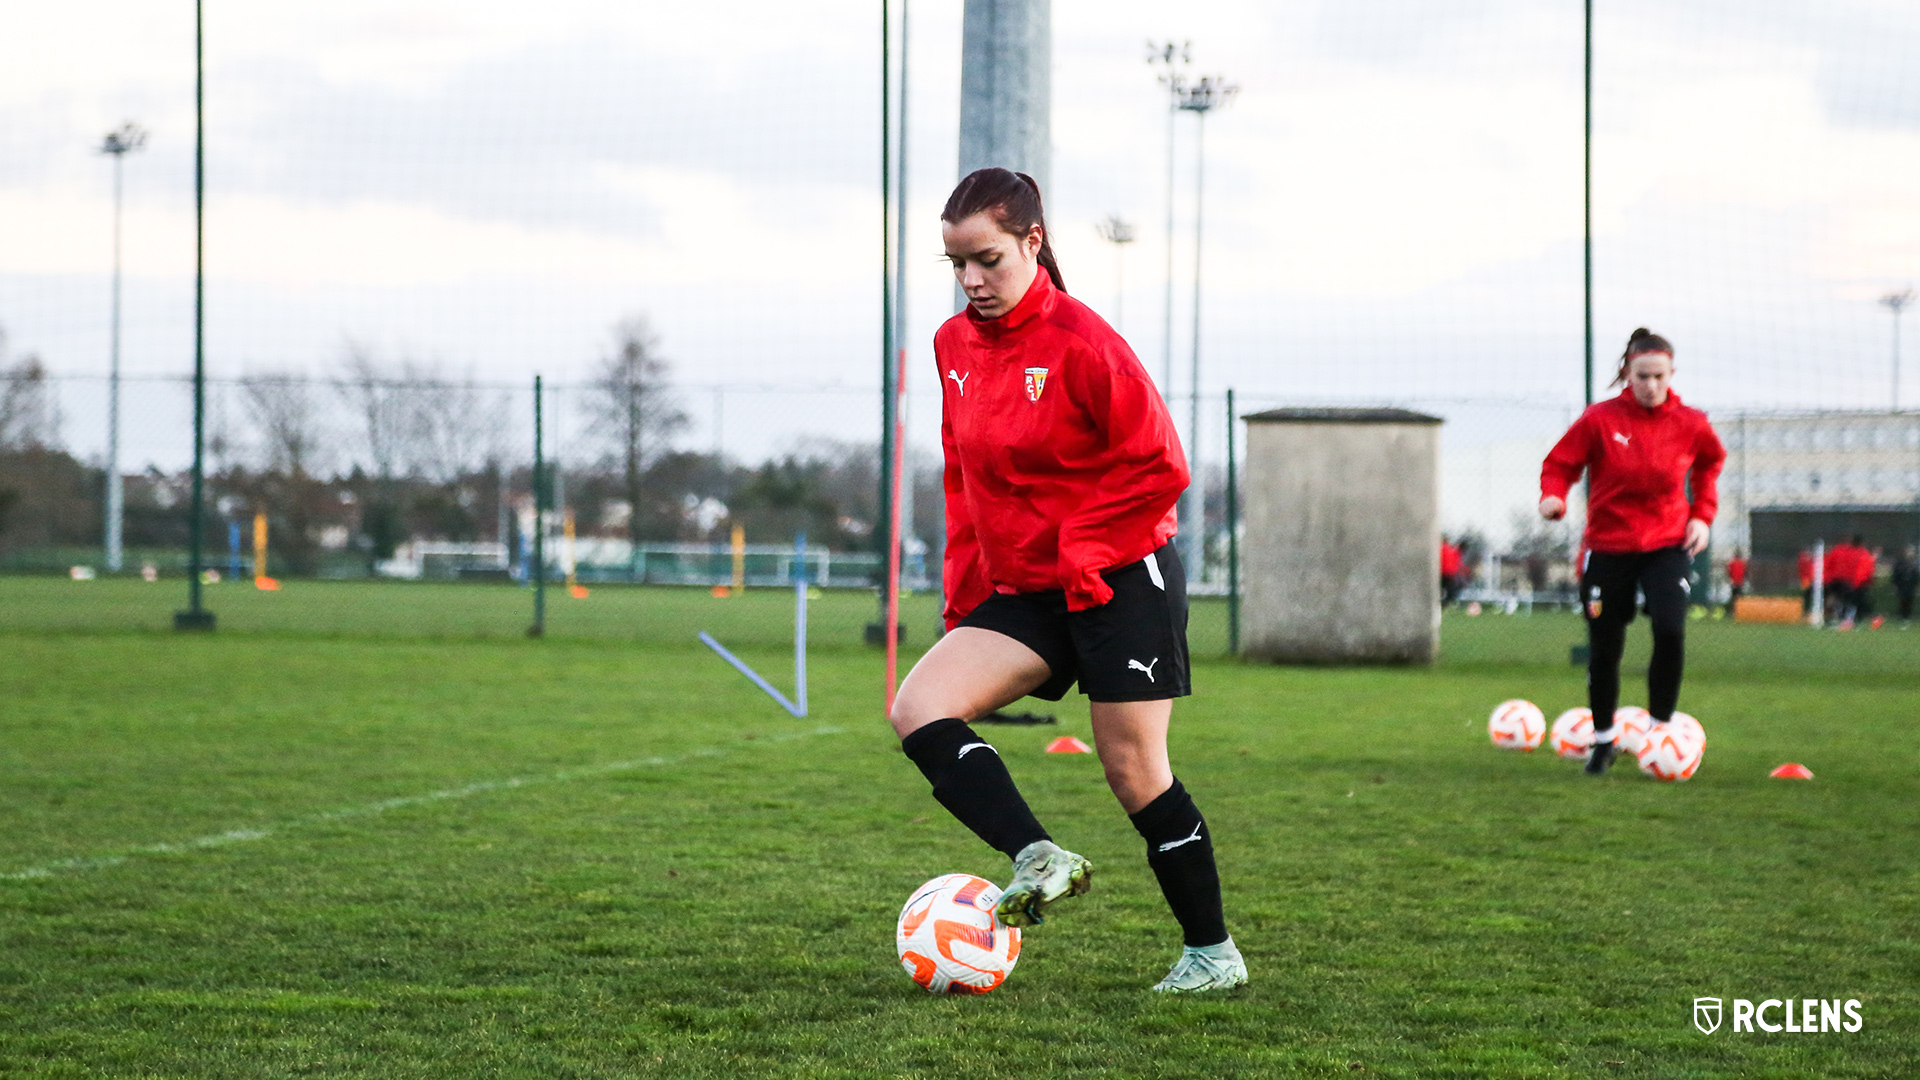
1393 202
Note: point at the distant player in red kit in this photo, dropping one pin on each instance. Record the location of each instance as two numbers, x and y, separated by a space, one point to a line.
1062 470
1642 452
1451 564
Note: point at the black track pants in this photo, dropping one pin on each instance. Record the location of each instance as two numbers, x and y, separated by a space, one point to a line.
1608 584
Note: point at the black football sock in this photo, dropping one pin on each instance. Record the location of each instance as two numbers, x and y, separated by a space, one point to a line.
1180 851
1605 642
972 782
1663 673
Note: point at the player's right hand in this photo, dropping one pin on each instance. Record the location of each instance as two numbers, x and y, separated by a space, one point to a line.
1553 508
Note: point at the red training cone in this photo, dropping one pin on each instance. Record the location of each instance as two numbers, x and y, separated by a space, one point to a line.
1792 770
1067 744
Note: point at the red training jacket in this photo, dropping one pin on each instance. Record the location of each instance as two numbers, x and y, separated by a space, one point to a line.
1061 458
1737 571
1840 565
1639 461
1864 565
1450 560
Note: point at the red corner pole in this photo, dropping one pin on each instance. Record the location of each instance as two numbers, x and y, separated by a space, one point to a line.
893 541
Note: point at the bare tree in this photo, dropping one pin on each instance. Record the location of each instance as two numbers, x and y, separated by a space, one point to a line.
418 422
287 419
29 416
376 404
634 410
452 428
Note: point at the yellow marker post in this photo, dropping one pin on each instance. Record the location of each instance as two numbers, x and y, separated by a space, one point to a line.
739 559
260 579
574 588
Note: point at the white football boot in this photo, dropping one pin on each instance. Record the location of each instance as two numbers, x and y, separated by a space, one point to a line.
1205 968
1042 873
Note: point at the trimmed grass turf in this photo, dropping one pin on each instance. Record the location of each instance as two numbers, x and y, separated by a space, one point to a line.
721 902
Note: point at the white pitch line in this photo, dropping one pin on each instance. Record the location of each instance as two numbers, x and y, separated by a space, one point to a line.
245 836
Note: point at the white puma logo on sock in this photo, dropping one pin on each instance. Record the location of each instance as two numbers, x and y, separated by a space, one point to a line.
1135 665
1171 844
973 746
959 380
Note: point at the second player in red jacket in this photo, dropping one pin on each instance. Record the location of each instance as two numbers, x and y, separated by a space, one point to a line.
1652 464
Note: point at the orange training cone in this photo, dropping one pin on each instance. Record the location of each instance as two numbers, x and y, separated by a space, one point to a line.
1792 770
1067 744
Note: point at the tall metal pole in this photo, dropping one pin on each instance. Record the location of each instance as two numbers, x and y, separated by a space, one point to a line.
1175 81
888 387
1233 534
1198 99
117 143
538 569
901 401
1897 303
1117 231
197 617
1197 488
1586 183
1166 337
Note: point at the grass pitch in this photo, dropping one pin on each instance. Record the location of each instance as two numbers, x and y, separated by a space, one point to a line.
373 831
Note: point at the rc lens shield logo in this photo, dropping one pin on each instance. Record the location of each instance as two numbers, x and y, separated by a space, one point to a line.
1801 1016
1036 383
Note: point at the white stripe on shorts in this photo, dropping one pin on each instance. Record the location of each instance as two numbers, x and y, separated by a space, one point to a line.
1153 571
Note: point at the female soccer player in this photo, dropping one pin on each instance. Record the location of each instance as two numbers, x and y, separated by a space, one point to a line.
1643 453
1062 470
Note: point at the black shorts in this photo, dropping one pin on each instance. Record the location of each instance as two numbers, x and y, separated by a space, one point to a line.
1132 648
1608 581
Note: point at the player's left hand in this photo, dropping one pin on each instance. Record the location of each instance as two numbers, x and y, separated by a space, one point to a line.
1698 534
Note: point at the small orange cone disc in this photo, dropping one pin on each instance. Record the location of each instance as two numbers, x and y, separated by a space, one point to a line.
1792 770
1067 744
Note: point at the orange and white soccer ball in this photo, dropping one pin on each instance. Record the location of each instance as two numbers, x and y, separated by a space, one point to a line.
949 939
1671 753
1572 734
1517 725
1630 724
1685 724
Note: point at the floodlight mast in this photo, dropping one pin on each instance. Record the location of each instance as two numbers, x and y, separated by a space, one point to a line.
1897 302
1167 55
128 138
1117 231
1199 99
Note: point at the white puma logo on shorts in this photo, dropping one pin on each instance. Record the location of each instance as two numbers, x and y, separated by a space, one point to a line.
1135 665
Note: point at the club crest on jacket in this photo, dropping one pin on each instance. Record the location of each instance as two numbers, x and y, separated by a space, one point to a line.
1036 382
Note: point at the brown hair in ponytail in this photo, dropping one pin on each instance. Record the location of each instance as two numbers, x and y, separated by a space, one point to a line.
1013 198
1640 343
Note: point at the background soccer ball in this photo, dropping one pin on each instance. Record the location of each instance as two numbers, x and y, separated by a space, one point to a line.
1630 724
1572 734
1671 753
1517 725
949 939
